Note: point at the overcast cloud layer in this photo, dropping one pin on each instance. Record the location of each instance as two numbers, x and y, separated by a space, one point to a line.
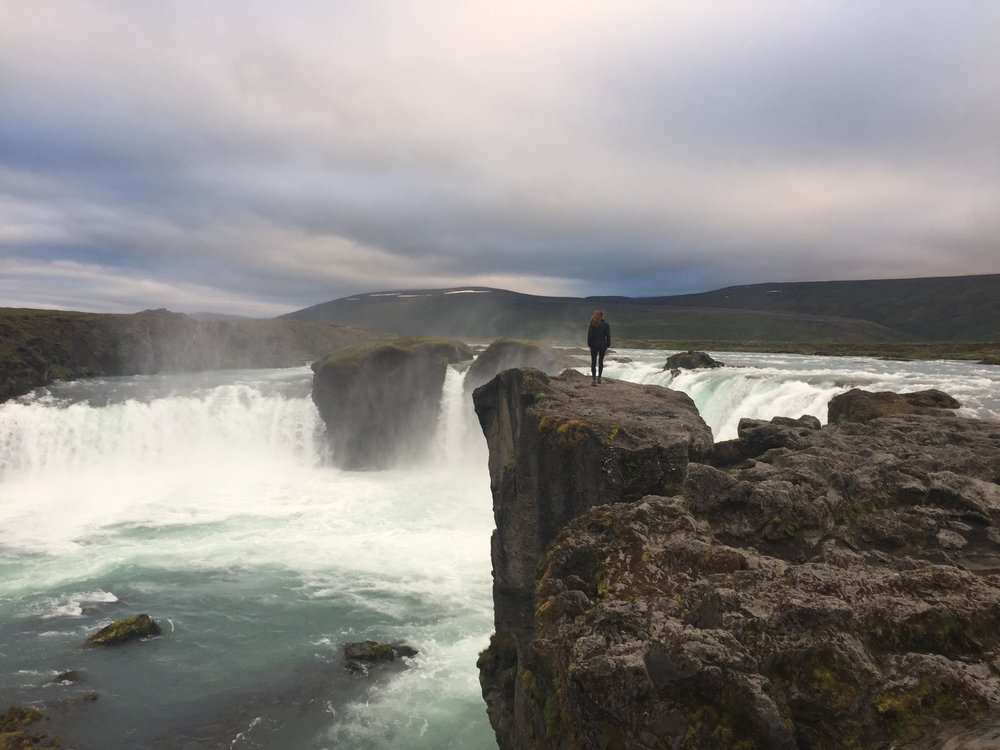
258 157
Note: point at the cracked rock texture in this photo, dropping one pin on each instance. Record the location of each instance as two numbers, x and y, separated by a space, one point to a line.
799 587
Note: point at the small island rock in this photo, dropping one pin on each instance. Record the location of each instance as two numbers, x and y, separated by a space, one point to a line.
125 630
690 360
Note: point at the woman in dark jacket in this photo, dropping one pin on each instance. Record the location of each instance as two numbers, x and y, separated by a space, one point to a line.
598 339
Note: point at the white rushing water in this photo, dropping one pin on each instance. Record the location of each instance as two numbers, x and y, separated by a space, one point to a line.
205 500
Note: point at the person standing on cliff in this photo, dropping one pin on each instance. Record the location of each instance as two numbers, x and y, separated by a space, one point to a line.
599 340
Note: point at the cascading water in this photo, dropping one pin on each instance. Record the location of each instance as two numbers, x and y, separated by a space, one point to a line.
762 386
205 501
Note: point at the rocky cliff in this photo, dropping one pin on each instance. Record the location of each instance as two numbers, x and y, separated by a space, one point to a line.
39 346
800 587
380 401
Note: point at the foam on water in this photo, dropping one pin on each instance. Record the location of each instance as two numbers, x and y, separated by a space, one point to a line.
763 386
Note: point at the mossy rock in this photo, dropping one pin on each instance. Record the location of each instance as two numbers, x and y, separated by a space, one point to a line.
14 732
125 630
17 718
376 651
857 405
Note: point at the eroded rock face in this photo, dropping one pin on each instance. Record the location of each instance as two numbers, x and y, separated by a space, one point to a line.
504 354
834 587
380 402
558 447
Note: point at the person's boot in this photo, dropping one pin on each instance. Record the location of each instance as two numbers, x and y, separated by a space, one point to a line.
598 379
593 380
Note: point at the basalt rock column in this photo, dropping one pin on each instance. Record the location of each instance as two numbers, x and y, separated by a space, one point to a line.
558 447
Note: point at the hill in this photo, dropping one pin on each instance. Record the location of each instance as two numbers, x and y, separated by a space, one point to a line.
932 309
963 308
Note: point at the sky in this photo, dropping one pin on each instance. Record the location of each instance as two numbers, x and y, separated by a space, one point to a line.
255 157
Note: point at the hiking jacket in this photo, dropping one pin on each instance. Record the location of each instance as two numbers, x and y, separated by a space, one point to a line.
599 336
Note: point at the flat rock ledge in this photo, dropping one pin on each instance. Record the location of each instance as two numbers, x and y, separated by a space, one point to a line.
802 586
863 406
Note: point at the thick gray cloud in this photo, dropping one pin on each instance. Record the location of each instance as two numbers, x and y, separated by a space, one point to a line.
257 157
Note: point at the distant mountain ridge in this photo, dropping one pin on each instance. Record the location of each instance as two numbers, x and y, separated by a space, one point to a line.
956 308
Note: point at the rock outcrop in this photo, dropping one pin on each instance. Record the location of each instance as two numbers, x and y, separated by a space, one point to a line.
504 354
127 629
834 587
380 401
557 448
862 406
39 346
363 655
690 360
19 731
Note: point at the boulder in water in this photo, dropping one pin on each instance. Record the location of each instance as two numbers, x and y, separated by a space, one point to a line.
363 653
125 630
690 360
862 406
372 651
380 401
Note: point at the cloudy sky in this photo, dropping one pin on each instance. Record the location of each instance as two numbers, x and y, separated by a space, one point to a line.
258 157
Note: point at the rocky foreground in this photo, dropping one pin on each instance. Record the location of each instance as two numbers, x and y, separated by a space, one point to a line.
800 587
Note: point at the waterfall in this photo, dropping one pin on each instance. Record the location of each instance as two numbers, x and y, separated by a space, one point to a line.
460 442
225 424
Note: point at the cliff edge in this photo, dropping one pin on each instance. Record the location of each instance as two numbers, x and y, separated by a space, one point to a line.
800 587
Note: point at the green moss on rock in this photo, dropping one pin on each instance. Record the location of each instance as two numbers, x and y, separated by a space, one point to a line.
124 630
909 711
16 735
370 651
355 356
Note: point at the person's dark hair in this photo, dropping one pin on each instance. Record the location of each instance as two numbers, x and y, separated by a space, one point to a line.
596 318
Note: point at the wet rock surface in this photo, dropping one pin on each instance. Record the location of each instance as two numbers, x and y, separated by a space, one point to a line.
834 587
127 629
21 728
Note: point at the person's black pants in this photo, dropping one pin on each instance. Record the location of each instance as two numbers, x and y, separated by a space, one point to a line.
596 361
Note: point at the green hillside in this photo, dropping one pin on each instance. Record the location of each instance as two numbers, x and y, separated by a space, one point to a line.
934 309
